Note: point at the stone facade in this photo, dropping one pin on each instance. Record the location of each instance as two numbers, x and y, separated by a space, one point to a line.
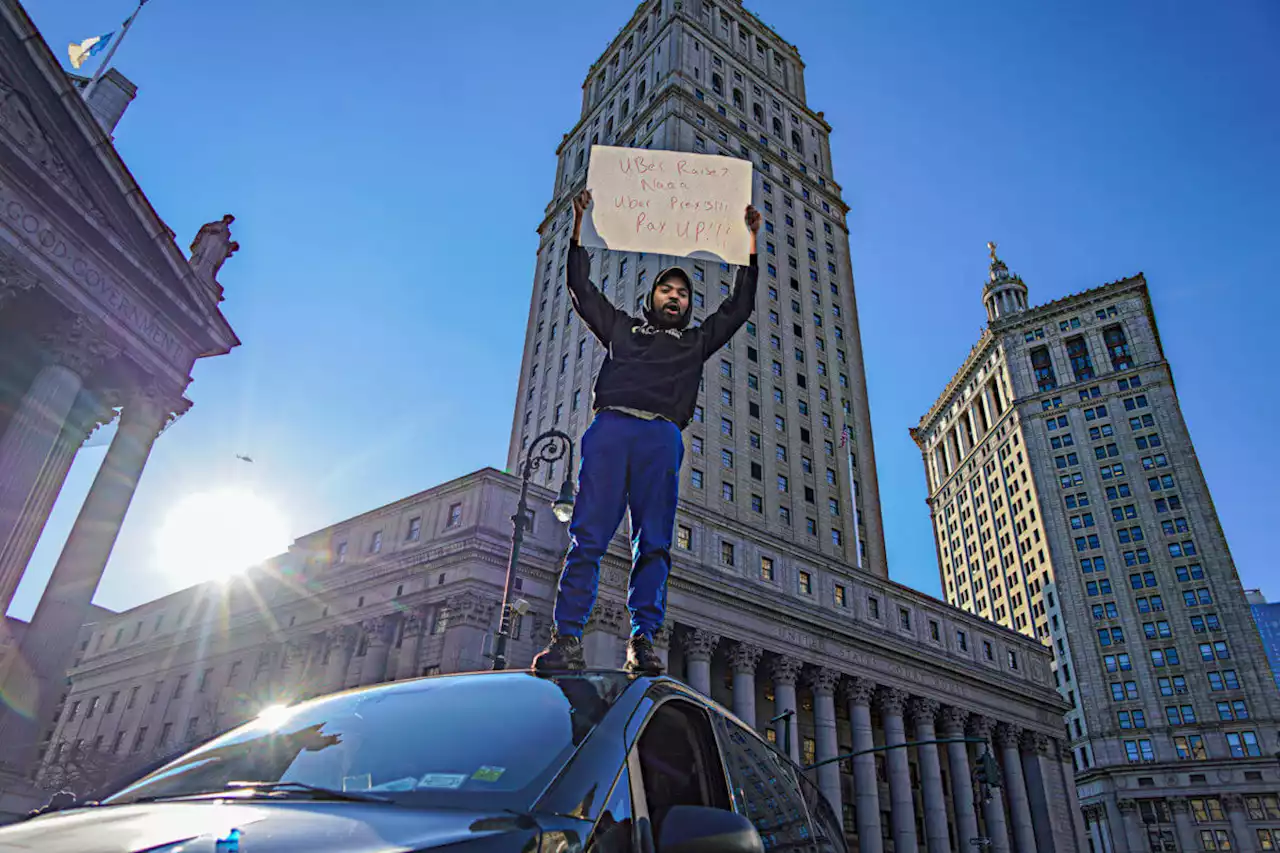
101 316
1068 503
1266 615
767 458
413 588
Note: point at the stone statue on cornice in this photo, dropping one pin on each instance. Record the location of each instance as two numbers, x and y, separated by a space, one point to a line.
212 246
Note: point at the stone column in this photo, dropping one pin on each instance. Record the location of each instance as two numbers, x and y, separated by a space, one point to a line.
48 646
1118 826
1068 781
743 660
81 423
822 682
1188 838
1093 817
866 788
470 618
923 712
993 804
892 701
295 668
662 645
602 637
415 625
1035 748
75 350
380 631
1246 839
785 672
698 647
1135 833
342 645
953 725
1024 833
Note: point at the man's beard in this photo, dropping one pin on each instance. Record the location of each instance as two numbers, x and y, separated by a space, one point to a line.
668 320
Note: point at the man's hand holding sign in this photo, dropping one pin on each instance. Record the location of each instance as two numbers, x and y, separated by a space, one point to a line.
660 202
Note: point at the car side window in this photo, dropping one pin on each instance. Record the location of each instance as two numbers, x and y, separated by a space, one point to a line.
828 833
613 832
766 789
679 762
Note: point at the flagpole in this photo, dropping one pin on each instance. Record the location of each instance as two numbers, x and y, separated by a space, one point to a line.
106 60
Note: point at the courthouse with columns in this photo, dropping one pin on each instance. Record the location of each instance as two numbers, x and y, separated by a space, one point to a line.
102 316
779 607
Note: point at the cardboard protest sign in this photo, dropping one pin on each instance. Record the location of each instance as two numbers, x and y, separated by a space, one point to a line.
668 203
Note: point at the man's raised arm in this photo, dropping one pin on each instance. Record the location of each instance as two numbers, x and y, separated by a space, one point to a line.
592 306
736 310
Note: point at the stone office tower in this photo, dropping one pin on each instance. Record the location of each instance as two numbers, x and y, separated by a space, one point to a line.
1067 503
767 463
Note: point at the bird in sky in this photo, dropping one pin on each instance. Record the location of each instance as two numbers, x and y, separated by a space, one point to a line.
243 458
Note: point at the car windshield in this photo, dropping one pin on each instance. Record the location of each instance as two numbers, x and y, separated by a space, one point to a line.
471 741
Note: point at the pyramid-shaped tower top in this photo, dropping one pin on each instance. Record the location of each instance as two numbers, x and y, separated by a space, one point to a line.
1005 293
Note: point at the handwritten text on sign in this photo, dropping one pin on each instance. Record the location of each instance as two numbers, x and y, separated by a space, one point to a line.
669 203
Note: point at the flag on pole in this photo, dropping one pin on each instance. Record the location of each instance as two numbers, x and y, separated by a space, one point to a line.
844 435
87 48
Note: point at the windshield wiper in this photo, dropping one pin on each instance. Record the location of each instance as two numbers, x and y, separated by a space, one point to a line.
313 792
274 790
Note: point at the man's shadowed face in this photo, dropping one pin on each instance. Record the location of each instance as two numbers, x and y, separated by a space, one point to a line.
670 302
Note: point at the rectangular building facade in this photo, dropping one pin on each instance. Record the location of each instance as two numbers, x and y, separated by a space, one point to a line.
768 457
1067 503
1267 617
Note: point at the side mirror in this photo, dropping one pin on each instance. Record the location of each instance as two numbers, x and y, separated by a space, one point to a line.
695 829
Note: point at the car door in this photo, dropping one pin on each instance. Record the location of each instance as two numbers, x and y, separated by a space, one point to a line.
772 792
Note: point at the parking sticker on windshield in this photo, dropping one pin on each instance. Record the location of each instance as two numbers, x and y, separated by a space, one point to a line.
361 782
488 774
442 780
408 783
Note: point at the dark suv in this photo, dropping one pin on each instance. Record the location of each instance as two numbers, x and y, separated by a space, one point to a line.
506 761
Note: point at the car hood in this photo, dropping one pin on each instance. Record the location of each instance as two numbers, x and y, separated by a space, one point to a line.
262 827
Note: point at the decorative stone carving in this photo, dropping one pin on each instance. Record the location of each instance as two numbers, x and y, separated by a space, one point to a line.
414 622
954 720
891 700
295 652
17 122
822 681
662 637
785 670
1035 742
1232 802
1127 807
923 710
79 345
1178 805
83 422
857 690
610 617
981 726
212 246
540 634
339 636
15 278
744 658
467 608
1007 734
698 644
379 629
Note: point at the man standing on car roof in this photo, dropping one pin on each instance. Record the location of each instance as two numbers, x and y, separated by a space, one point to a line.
644 397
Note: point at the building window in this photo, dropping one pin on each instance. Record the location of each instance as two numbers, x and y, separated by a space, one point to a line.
684 537
873 607
695 477
904 618
415 529
1244 745
726 553
806 582
766 568
840 600
726 491
1042 365
1117 347
455 515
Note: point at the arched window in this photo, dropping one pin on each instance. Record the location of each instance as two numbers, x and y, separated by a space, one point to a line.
717 84
777 126
796 143
757 112
595 139
737 98
640 89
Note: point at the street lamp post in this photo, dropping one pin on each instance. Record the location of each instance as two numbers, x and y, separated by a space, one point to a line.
550 447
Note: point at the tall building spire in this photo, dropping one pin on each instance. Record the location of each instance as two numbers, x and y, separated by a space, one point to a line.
1005 293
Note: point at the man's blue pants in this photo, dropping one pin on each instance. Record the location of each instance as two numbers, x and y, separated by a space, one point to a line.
627 463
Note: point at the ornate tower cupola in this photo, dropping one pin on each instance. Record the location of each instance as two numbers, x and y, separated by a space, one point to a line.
1004 294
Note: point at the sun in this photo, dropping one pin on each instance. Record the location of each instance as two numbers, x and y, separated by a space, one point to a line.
218 534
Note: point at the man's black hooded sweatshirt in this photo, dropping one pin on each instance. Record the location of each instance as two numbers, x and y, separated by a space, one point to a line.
649 367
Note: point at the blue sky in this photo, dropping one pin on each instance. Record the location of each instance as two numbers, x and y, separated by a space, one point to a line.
388 164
